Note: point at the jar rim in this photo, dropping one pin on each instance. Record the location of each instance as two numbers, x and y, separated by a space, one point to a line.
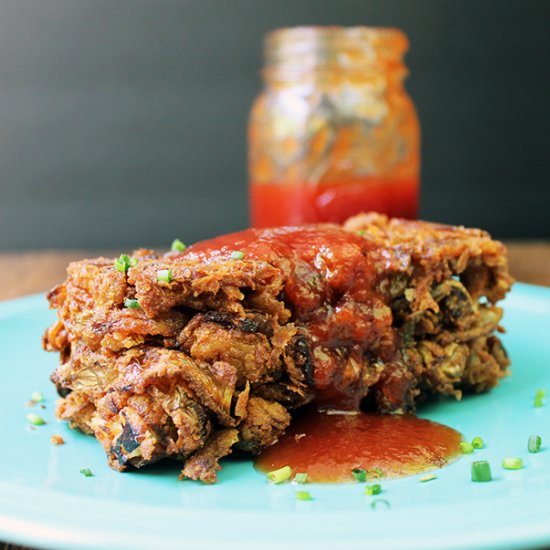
315 46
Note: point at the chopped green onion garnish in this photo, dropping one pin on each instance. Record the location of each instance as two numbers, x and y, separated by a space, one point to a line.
177 246
237 255
164 275
37 397
481 471
377 502
540 397
359 474
123 262
374 489
280 475
362 232
512 463
466 448
300 478
131 303
429 477
86 472
534 443
303 495
477 443
35 419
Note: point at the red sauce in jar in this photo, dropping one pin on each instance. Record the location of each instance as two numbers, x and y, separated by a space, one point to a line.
275 204
329 446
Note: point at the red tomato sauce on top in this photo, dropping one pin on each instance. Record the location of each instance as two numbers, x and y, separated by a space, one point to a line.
329 446
330 285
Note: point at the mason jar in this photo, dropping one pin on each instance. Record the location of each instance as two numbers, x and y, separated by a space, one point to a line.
333 133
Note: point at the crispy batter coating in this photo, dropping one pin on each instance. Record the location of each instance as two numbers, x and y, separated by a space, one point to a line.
379 313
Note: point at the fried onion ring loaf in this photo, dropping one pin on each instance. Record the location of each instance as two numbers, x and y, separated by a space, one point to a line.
378 313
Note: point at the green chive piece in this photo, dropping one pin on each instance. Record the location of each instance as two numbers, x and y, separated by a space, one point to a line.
35 419
477 442
377 502
303 495
374 489
362 232
122 263
177 246
466 448
37 397
429 477
86 472
540 397
300 478
131 303
237 255
481 471
280 475
359 474
164 275
534 443
512 463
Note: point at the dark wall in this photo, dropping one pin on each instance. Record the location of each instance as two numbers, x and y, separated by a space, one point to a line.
123 121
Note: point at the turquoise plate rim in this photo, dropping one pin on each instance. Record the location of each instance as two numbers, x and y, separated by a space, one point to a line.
450 512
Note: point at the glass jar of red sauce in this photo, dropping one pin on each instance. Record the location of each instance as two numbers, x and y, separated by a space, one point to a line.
333 133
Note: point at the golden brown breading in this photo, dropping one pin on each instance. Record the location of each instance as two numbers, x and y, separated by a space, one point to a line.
380 313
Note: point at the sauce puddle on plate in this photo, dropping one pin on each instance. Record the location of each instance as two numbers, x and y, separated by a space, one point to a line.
329 446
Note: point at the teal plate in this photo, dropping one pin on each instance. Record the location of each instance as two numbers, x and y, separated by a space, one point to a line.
46 502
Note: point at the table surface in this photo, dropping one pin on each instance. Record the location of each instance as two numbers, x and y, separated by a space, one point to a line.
24 273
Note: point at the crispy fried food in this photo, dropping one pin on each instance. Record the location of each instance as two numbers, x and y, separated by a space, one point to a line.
378 313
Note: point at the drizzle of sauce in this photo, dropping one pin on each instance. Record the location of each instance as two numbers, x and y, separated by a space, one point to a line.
329 446
330 278
330 286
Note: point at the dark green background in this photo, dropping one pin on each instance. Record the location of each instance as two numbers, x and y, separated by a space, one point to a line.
123 121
